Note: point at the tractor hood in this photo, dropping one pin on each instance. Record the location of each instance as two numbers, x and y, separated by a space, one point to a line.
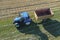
17 19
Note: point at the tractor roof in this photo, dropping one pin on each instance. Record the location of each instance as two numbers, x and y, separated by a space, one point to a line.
24 14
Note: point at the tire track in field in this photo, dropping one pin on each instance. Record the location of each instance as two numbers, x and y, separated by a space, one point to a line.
30 5
14 15
17 3
11 11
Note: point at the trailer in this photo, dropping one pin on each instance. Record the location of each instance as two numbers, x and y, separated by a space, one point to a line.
43 14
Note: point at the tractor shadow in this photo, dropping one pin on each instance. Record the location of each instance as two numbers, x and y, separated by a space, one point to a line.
33 29
52 26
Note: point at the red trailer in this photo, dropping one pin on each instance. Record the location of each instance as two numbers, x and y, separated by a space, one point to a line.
43 14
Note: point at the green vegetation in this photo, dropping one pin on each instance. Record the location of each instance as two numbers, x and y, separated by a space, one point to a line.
49 30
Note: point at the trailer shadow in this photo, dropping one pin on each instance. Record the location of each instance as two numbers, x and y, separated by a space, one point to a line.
33 29
52 26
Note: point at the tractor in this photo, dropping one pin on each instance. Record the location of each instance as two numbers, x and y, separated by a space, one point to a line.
41 14
22 19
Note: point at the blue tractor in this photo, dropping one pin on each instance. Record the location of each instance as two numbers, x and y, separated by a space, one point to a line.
23 19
